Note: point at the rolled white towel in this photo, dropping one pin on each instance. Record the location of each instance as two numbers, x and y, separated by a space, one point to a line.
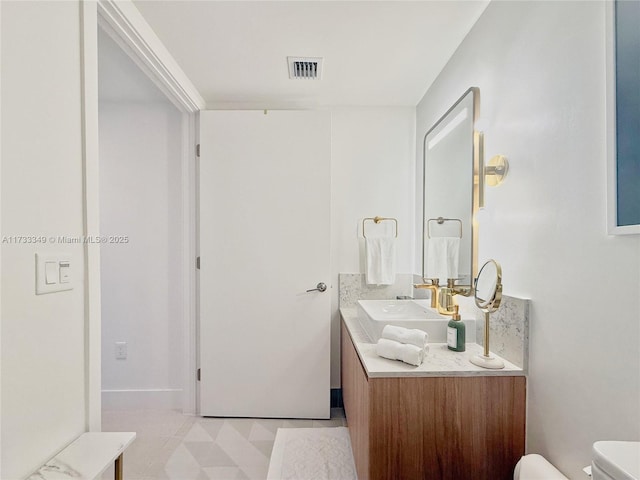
412 336
400 351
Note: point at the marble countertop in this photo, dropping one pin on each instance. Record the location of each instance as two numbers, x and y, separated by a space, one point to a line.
86 458
439 361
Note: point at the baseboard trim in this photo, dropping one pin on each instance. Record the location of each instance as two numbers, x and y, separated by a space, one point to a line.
336 398
161 399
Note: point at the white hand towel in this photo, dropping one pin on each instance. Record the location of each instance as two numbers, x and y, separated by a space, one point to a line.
381 260
400 351
443 255
412 336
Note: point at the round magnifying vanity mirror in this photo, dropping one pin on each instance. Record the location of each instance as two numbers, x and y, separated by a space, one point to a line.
488 294
489 287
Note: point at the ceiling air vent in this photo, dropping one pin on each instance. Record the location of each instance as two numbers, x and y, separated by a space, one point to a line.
305 67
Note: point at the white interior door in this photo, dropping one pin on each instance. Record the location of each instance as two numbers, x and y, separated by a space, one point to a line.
264 240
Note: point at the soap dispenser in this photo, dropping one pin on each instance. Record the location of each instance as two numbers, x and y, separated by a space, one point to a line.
456 333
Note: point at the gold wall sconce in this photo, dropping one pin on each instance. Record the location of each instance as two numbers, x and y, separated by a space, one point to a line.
493 173
496 170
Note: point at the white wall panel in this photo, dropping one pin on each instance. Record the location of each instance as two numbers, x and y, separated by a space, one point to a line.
43 395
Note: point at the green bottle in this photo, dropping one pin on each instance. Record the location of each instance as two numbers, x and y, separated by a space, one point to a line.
456 333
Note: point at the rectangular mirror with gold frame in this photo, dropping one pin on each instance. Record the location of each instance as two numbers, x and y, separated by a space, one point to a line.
451 161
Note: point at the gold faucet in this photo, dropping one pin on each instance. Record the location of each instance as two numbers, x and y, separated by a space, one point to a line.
433 286
447 304
442 298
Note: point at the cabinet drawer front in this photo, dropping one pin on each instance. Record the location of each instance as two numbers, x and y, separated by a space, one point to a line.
446 427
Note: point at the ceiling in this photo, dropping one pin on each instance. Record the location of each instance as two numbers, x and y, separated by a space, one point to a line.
376 53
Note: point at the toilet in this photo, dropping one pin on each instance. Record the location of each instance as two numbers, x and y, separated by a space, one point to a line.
536 467
614 460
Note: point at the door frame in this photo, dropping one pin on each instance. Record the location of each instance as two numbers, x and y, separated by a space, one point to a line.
124 23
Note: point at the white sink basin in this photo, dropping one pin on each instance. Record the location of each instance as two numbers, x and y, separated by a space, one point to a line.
373 315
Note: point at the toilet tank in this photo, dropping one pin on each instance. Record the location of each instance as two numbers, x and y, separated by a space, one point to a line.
614 460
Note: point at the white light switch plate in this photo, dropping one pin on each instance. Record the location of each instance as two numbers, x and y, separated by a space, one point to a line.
42 259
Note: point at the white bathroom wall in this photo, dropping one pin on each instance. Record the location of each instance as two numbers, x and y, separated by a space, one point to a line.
140 198
0 234
43 395
540 67
372 172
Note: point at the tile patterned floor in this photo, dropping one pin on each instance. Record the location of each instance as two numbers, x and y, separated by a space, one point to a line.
171 446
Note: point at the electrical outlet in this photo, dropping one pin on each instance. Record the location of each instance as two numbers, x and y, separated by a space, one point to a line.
121 350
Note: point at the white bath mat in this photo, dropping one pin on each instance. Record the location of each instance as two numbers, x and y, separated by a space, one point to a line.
312 454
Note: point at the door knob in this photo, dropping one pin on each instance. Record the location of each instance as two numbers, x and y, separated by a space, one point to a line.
321 287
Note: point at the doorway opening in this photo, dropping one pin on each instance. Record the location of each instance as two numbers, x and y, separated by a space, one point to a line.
141 241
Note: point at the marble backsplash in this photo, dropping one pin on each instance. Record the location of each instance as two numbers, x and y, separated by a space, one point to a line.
353 287
508 330
509 325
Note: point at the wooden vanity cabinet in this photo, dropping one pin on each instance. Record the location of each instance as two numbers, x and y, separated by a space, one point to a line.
436 428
